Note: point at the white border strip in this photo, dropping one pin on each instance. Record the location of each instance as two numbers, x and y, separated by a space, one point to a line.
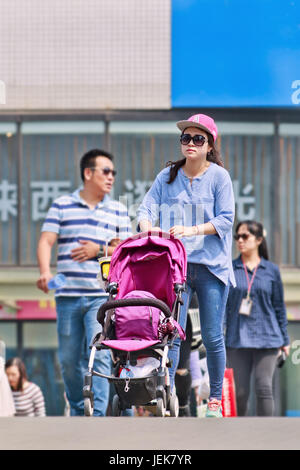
289 130
63 127
246 128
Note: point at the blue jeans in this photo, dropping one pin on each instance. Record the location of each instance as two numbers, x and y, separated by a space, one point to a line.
76 326
212 296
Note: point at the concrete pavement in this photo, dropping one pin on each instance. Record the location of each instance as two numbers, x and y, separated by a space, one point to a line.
150 433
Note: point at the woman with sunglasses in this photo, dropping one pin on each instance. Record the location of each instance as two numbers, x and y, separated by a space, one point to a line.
193 198
256 322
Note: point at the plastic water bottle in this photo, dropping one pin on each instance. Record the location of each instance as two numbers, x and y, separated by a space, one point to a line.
57 281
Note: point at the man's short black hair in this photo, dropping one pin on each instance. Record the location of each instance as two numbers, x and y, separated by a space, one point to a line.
89 159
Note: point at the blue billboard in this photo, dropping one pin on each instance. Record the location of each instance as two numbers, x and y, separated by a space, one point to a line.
235 53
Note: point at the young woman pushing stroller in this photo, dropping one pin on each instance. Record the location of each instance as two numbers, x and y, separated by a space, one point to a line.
146 278
193 199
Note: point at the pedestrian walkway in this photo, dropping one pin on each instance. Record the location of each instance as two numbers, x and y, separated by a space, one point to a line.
58 433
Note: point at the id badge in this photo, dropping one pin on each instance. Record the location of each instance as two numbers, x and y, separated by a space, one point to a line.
246 305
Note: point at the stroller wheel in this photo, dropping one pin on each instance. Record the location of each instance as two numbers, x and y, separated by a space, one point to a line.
174 406
116 410
160 408
88 408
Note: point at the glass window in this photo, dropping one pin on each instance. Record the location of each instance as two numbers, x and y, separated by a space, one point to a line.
51 157
8 339
50 153
290 373
39 335
8 193
289 194
141 151
247 150
40 357
286 129
249 161
245 128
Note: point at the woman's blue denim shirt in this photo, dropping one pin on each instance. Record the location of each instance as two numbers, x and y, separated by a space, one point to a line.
266 327
208 199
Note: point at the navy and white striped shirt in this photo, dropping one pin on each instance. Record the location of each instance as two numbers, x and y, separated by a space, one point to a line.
72 219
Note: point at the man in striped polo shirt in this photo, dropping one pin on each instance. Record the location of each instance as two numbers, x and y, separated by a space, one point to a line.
81 223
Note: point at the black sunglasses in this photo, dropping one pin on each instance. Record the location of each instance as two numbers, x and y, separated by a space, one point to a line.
198 139
244 236
106 171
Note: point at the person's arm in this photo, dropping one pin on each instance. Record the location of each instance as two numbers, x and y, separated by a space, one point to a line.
224 207
44 249
48 238
145 225
85 251
203 229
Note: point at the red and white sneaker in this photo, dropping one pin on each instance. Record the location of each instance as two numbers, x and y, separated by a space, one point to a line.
214 409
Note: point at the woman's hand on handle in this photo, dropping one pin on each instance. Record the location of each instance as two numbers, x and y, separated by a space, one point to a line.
182 231
146 226
202 229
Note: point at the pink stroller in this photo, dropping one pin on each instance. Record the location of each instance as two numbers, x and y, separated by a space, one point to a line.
140 321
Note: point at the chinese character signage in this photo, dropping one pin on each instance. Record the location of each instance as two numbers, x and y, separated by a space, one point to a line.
43 193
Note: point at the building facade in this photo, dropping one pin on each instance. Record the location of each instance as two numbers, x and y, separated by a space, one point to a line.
118 75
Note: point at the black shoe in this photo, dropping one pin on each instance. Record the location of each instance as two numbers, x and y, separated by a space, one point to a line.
184 411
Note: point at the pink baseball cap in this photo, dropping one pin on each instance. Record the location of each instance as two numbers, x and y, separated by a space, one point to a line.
202 121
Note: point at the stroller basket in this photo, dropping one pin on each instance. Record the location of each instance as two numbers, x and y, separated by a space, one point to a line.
136 391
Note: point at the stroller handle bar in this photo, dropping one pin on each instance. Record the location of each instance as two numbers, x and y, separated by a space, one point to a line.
112 304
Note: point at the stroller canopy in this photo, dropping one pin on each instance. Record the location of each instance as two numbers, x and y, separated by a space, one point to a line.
149 262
